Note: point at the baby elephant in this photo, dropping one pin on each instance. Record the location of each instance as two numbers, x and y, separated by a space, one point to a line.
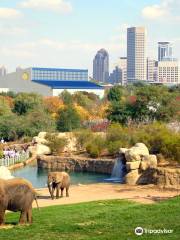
58 180
17 194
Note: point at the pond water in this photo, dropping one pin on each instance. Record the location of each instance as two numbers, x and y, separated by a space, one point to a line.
38 177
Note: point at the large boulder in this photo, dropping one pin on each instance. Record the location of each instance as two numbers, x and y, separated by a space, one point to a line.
132 165
5 173
132 177
43 150
42 135
148 161
39 140
135 153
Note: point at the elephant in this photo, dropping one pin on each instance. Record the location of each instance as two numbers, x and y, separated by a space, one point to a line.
58 180
17 194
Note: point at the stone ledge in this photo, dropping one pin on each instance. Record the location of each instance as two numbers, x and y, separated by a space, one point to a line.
74 163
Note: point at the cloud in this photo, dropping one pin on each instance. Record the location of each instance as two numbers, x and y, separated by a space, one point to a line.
12 30
61 6
9 13
154 12
166 9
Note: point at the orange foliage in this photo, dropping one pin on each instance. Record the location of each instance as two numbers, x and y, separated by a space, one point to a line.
53 104
84 114
8 100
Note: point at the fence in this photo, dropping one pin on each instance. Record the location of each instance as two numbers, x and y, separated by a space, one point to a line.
8 161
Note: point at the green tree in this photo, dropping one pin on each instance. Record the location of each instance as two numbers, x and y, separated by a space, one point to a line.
68 119
115 93
25 102
66 97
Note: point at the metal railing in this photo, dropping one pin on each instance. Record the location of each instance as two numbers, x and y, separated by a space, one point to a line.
8 161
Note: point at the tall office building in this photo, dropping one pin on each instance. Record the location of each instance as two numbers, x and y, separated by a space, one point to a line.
151 70
101 66
119 74
165 52
136 54
3 71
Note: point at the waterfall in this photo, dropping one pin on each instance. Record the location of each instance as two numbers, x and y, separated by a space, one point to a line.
118 169
118 172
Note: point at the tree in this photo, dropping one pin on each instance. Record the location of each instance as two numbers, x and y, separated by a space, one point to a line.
25 102
115 94
66 98
68 119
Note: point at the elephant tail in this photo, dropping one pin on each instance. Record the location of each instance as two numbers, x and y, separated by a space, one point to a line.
35 198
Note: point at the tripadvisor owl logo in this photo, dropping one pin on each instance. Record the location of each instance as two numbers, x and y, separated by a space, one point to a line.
139 231
25 76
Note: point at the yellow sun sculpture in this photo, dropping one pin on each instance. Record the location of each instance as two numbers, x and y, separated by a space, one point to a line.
25 76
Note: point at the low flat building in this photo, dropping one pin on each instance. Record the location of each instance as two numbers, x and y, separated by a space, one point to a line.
49 81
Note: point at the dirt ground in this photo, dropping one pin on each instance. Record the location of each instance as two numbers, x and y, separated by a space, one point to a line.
103 191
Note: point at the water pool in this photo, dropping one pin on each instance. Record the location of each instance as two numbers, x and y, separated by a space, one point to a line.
38 177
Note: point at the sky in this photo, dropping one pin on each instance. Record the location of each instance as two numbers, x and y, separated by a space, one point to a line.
68 33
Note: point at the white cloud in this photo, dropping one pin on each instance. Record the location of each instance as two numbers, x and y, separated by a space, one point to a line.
166 9
9 13
12 30
61 6
154 12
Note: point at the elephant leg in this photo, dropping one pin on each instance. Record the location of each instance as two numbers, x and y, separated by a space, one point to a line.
29 215
2 215
22 218
67 192
52 193
62 189
57 191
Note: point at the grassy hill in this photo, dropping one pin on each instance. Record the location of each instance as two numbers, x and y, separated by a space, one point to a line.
102 220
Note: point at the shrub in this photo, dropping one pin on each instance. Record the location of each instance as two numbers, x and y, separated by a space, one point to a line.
113 147
55 143
83 137
95 146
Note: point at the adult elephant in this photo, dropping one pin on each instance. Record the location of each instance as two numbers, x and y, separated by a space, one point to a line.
17 194
58 180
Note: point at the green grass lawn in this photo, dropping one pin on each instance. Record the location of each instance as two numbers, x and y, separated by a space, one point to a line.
110 220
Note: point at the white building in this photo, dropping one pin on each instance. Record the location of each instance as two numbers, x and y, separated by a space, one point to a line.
49 81
136 54
169 72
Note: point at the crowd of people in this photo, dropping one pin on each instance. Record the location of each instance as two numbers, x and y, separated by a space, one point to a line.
13 151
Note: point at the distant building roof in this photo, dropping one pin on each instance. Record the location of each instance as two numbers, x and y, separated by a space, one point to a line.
59 69
69 84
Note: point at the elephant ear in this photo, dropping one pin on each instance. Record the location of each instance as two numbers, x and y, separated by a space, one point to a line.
59 177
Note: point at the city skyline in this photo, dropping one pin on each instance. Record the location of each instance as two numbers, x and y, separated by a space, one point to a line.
61 33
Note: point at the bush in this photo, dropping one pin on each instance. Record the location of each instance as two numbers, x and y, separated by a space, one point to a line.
55 143
96 146
83 137
113 147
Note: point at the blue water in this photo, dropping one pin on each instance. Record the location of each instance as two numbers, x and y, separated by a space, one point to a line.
38 177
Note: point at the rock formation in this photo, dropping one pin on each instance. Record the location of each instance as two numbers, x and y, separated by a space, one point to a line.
5 173
140 165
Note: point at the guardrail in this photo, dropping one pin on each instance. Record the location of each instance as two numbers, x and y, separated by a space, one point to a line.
8 161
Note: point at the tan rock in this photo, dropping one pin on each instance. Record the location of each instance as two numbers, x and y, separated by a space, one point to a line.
42 135
122 150
148 161
135 153
132 165
42 149
132 177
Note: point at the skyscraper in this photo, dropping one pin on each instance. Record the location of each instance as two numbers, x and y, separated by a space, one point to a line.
101 66
3 71
165 52
136 54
